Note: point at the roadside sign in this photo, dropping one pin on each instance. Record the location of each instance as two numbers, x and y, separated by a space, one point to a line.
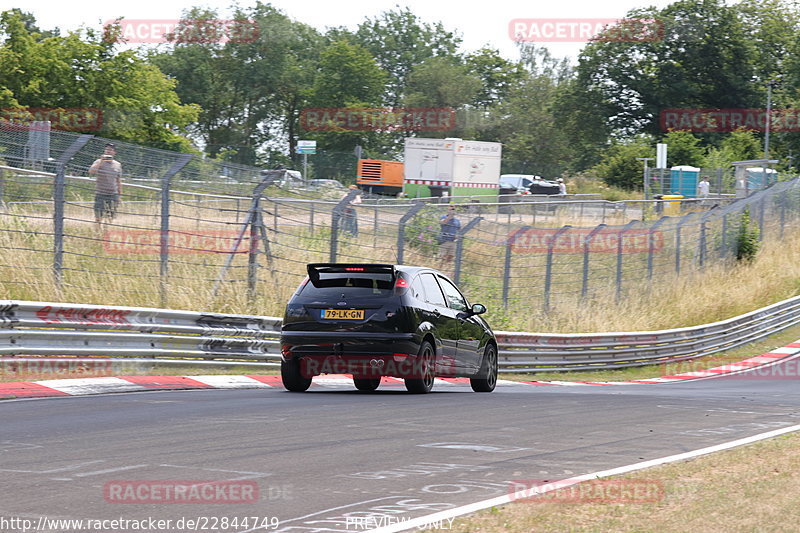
306 147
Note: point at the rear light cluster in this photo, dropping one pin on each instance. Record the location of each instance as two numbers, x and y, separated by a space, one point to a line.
354 269
401 283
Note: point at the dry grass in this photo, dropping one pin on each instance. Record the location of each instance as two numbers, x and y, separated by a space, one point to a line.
753 488
95 275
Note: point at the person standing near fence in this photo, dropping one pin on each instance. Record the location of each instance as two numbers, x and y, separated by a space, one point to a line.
350 222
449 226
703 189
562 187
108 184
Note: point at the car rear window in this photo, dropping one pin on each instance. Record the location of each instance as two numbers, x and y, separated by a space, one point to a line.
334 284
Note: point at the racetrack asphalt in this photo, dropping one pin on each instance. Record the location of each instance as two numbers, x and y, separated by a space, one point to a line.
321 459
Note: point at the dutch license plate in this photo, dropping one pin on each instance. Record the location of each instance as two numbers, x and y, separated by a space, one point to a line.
343 314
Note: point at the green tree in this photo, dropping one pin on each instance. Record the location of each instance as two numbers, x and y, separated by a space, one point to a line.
399 41
348 75
251 89
84 70
701 55
441 82
498 76
527 122
619 167
683 148
740 145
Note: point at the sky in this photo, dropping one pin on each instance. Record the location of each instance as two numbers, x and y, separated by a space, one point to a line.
479 23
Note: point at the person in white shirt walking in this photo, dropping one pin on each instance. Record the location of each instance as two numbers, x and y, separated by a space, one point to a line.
703 189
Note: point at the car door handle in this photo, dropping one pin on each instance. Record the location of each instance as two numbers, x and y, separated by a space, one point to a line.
436 313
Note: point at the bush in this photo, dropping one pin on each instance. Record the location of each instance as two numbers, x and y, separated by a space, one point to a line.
746 238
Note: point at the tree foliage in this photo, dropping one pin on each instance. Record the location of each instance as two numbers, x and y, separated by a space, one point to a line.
84 70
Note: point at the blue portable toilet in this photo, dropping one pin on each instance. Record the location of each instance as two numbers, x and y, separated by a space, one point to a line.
683 180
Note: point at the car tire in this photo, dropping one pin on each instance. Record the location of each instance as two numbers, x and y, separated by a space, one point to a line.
367 384
292 378
487 379
425 364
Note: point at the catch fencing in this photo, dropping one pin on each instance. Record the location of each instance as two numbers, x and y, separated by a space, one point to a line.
194 233
163 336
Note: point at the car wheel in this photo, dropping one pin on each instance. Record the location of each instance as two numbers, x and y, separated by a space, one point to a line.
487 379
424 365
367 384
292 378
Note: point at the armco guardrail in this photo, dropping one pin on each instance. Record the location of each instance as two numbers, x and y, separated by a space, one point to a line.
39 328
188 337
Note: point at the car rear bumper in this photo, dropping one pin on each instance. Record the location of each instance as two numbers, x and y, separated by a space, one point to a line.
363 355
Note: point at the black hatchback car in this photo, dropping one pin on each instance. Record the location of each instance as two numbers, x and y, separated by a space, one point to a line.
373 320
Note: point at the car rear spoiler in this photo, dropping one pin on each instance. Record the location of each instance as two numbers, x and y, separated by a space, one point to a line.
315 269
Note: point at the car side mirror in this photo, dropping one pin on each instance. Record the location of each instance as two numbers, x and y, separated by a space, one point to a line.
478 309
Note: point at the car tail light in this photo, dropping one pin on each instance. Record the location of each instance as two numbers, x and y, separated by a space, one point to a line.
400 357
354 269
401 284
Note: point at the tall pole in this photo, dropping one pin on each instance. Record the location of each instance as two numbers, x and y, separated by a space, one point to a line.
768 119
645 180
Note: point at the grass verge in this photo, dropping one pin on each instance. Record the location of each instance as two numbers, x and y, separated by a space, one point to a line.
752 488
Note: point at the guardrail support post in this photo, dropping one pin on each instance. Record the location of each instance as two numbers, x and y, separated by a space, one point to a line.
166 180
58 207
401 229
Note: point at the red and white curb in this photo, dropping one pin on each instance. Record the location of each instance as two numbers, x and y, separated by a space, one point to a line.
105 385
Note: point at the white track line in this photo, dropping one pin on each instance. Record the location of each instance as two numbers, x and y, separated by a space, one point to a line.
504 500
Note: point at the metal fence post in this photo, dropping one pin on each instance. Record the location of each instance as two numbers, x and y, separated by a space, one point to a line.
783 199
507 265
460 247
678 241
252 256
253 217
401 229
2 188
723 248
336 219
58 207
311 217
166 179
375 227
548 272
761 208
620 251
587 244
701 245
651 246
